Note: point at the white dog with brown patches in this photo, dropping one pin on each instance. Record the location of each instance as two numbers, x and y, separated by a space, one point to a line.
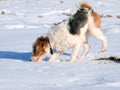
71 33
94 28
68 34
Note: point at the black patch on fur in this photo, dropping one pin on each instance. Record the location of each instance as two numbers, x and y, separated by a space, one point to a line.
51 50
78 21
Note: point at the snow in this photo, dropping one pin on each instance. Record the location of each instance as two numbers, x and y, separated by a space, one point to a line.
24 20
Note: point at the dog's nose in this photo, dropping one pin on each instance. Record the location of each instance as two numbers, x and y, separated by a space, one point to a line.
30 60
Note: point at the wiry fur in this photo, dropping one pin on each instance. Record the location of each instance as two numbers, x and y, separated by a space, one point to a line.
94 28
96 17
63 37
39 48
78 21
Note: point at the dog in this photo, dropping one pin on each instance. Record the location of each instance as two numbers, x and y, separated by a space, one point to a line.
68 34
94 28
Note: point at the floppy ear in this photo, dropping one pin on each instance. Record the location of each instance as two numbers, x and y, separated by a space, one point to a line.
39 39
35 48
43 44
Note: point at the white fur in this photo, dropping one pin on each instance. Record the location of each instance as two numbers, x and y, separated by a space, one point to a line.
96 32
61 39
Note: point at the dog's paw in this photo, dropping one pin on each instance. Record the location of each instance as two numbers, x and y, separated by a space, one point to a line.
104 49
81 57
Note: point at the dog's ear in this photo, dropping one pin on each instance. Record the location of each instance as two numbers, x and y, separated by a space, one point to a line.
39 45
39 39
86 5
35 48
43 44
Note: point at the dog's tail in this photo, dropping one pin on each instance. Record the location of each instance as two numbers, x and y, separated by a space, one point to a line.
111 58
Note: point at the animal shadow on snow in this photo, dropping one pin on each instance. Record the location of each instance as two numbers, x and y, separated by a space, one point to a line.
25 56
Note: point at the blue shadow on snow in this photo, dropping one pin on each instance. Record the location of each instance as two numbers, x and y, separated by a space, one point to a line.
21 56
15 55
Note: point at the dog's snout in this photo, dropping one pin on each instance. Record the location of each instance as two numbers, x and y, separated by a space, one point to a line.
35 58
30 60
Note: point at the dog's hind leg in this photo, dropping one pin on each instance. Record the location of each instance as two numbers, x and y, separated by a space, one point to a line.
86 50
86 47
99 35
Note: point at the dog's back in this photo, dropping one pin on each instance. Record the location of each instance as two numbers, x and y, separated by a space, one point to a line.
97 19
69 32
61 38
78 21
64 36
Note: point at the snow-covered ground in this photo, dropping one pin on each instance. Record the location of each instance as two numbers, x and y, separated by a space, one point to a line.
22 21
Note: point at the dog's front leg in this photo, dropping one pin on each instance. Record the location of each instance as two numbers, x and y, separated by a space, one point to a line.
86 50
55 56
86 47
75 52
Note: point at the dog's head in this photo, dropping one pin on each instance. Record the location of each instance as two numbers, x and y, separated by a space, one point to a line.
80 12
40 49
84 9
85 6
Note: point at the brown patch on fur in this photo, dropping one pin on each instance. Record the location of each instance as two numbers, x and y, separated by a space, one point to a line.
39 46
96 17
85 5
